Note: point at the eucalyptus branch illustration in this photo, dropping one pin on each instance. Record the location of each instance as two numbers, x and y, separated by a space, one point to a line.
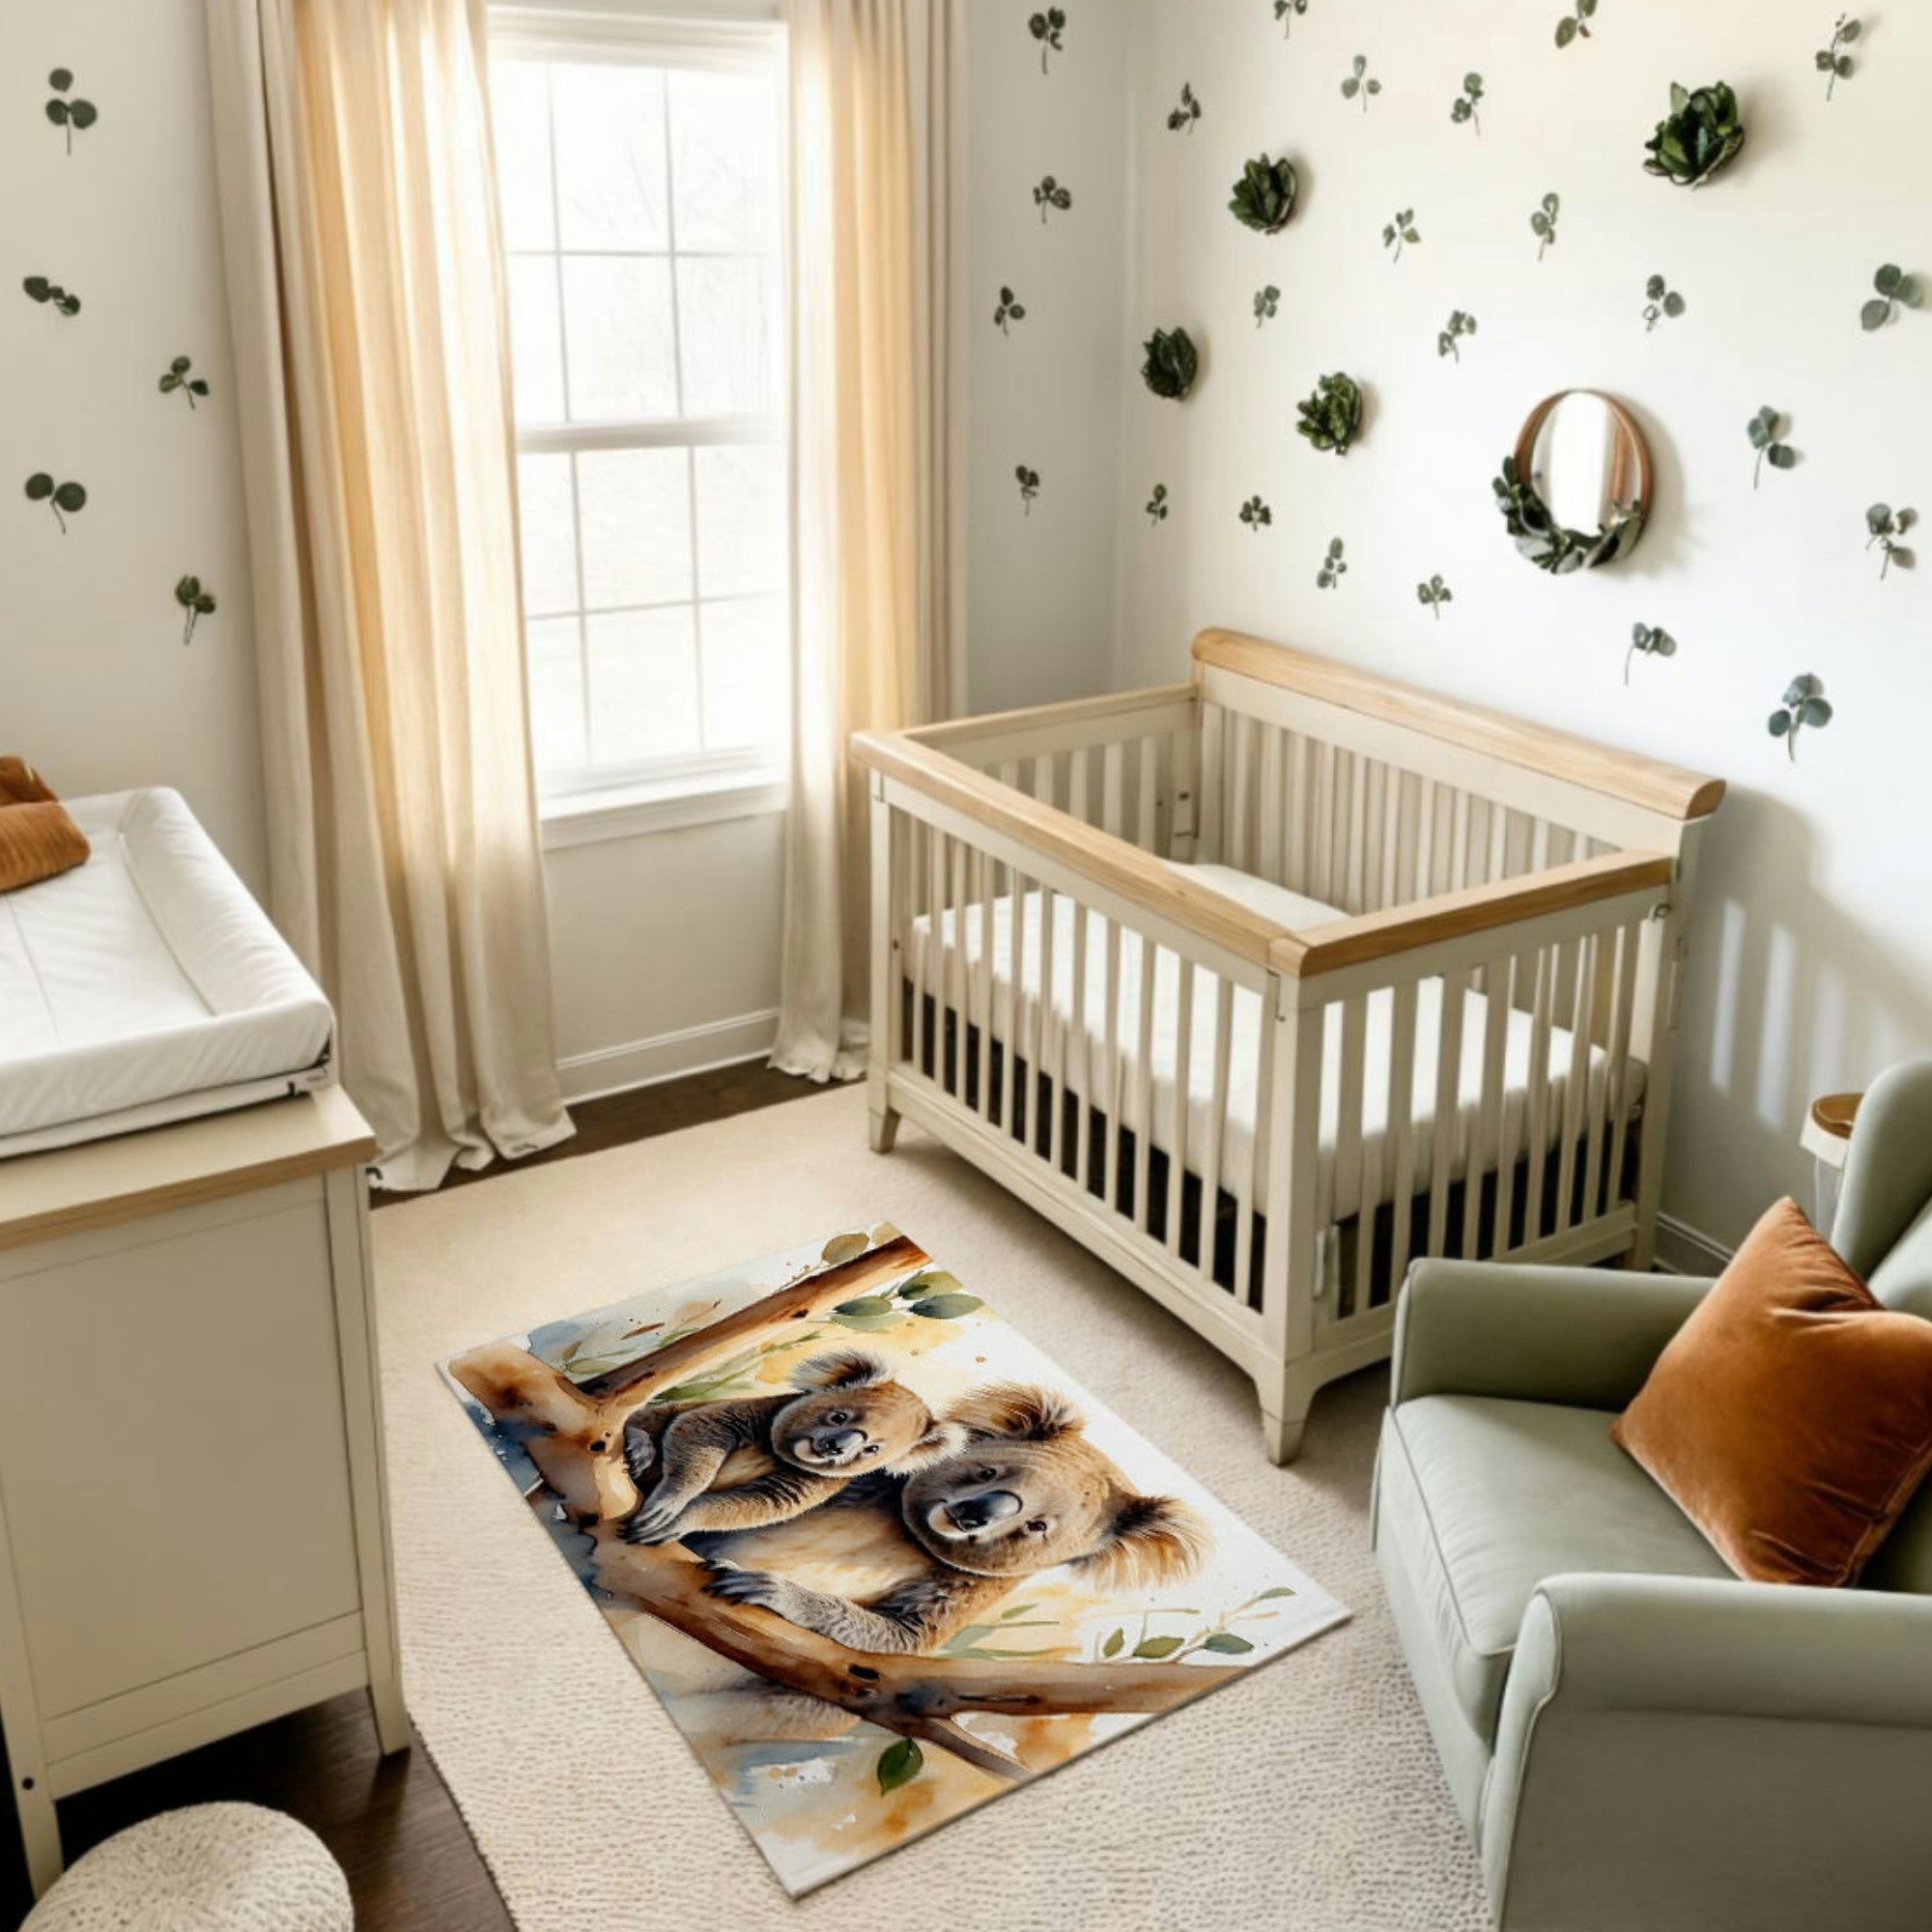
1461 322
1886 527
1543 223
933 1293
196 600
1029 482
1576 25
1651 641
1333 567
178 377
1659 300
1187 113
1465 104
1834 60
1047 28
1359 83
68 114
1766 438
1400 229
1285 11
1803 704
1268 303
1011 310
1257 515
1156 505
1893 286
1049 195
57 496
1434 594
1217 1638
38 289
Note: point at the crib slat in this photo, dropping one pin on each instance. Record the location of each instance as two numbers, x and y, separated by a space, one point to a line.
1575 1084
1251 1187
1537 1113
1077 803
928 951
1176 1154
1080 1044
1617 1088
1013 1103
1045 1024
1144 1088
1425 841
1236 812
980 999
1392 834
1323 886
1348 1144
1113 789
1509 1127
1358 836
1147 829
1299 813
1486 1139
1448 1105
1211 1155
1208 807
1109 1098
1268 855
1400 1135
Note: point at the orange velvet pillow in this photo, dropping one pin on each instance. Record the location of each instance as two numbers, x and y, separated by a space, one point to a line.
38 837
1791 1417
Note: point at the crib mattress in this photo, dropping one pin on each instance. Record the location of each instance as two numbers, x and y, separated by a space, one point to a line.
146 985
1343 1189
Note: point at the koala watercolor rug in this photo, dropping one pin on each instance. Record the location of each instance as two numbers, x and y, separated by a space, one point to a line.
877 1556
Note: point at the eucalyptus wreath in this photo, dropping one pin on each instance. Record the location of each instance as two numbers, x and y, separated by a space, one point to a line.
1548 544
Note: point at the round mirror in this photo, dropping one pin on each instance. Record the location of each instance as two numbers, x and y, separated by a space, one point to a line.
1578 488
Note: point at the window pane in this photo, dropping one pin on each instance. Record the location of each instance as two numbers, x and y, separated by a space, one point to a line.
550 535
610 157
536 345
643 686
723 311
637 526
740 534
623 354
556 694
746 691
520 111
725 161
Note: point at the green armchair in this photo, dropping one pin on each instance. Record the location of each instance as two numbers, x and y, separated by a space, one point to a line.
1638 1741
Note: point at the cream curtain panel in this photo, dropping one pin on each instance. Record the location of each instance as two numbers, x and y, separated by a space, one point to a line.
877 385
366 295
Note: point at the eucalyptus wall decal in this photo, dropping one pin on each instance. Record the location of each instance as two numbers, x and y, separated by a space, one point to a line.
38 289
1049 195
1766 438
68 114
1263 198
1886 527
1459 324
1172 364
1699 135
1156 505
1434 594
1011 310
1834 60
178 377
1803 704
1047 28
1576 26
1029 482
1359 83
1331 417
1187 113
57 496
1333 567
1894 285
1285 12
196 600
1268 301
1651 641
1659 301
1543 223
1257 515
1401 228
1464 107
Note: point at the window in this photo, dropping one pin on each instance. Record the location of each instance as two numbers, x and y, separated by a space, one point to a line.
641 192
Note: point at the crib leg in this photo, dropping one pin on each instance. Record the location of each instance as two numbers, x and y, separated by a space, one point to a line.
1285 1412
885 1128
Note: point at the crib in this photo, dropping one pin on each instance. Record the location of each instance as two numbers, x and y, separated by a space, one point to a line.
1263 985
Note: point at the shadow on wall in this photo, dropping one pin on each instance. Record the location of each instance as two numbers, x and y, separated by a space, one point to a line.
1795 998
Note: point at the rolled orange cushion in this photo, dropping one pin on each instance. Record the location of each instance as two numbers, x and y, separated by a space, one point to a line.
21 784
1791 1417
38 836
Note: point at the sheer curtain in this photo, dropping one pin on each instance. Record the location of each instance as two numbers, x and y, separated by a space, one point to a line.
366 292
878 435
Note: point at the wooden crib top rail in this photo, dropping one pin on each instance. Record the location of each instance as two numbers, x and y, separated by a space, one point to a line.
1639 781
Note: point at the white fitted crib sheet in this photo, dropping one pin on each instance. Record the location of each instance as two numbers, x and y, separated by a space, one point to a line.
1345 1192
146 985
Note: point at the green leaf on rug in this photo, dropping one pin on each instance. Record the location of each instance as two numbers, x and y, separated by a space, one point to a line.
1225 1643
1018 1611
947 1307
900 1764
867 1306
843 1248
1112 1647
1157 1647
1279 1590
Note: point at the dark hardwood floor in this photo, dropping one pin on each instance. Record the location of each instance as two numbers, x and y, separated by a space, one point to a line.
392 1824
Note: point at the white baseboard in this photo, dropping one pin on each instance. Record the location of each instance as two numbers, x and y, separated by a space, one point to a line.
642 1063
1681 1249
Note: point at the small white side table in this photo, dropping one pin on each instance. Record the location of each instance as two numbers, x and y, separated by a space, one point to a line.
194 1523
1828 1139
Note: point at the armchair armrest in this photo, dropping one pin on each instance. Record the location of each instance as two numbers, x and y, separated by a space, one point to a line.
1585 1337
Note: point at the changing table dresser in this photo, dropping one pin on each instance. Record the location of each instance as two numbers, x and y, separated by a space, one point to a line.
193 1528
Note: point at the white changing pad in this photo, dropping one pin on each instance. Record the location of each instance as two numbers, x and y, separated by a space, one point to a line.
1343 1193
146 985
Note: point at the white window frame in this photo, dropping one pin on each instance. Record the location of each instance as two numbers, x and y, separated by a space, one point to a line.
734 36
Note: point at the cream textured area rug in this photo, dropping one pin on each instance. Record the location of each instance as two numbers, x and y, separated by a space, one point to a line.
1306 1797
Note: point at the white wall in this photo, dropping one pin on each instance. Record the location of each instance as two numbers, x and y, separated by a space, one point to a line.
94 684
1812 948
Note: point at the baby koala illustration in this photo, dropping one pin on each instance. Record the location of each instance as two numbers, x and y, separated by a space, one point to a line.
718 1465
